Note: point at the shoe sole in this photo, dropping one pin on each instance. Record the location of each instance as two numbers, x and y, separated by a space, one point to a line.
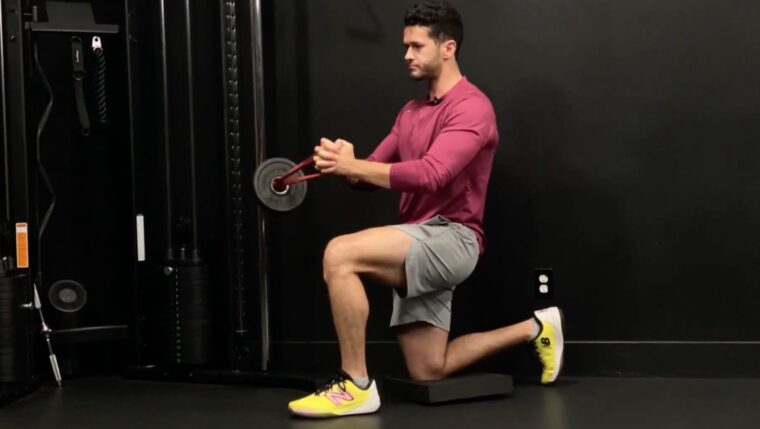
358 411
561 356
369 407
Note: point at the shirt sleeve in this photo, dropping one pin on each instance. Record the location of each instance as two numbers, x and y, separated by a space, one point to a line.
461 138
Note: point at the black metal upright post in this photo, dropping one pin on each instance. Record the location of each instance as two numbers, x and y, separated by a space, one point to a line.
129 40
169 224
260 142
195 255
18 168
6 161
18 214
235 227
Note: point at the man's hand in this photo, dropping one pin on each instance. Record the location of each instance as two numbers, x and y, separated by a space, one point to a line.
334 157
337 157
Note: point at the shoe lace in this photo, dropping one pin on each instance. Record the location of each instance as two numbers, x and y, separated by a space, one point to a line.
338 379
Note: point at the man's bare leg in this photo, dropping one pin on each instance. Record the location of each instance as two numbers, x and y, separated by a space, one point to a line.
376 252
430 355
380 253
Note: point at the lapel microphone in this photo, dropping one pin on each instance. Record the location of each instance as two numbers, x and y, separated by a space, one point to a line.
435 101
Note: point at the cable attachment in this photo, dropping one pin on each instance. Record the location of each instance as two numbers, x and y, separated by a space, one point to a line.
99 81
78 73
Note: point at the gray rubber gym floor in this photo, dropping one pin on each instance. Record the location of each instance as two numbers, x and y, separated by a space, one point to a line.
587 403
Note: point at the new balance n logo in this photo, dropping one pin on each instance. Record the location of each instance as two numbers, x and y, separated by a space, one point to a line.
340 395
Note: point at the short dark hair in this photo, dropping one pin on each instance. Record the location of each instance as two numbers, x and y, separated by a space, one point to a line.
443 21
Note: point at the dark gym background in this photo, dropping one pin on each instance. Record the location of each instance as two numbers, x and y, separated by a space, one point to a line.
626 165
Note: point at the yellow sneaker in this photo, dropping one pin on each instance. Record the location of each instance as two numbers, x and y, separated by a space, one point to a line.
340 397
550 342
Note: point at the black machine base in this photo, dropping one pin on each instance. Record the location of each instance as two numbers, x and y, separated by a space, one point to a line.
450 389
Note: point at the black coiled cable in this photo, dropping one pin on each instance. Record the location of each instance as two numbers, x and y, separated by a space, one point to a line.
99 87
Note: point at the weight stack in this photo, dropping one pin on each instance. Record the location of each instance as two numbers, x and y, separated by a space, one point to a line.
15 330
184 316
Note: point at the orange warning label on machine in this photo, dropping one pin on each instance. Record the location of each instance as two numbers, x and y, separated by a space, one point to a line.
22 245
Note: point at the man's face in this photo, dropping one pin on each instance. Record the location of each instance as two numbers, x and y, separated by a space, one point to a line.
424 55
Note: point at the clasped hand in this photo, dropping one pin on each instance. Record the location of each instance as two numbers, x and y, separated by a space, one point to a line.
333 157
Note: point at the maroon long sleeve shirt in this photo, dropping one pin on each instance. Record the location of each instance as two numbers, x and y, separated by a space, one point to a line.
441 156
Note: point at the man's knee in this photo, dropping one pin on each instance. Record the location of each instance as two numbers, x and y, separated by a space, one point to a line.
426 371
427 374
337 258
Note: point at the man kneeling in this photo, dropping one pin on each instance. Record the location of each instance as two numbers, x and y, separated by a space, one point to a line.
439 155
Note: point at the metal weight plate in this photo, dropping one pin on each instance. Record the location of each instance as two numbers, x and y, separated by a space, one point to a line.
11 313
13 337
281 200
67 296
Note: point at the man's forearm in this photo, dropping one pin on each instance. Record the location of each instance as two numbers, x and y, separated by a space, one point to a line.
374 173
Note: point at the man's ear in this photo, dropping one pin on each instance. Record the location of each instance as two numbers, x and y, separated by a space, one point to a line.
449 49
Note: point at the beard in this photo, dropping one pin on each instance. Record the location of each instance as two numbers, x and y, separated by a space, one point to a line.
425 72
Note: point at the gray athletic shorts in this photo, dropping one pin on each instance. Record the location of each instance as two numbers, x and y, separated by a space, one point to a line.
443 254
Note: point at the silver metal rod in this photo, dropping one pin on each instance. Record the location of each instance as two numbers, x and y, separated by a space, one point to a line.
45 331
6 155
260 139
191 114
137 310
167 150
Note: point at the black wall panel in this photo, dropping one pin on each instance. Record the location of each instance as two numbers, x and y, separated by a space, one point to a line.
626 164
89 238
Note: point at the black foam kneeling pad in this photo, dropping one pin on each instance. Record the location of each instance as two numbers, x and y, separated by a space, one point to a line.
449 389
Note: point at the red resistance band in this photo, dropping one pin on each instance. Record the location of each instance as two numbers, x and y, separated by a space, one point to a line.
285 180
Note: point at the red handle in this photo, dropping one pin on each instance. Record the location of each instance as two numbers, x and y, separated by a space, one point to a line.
285 179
